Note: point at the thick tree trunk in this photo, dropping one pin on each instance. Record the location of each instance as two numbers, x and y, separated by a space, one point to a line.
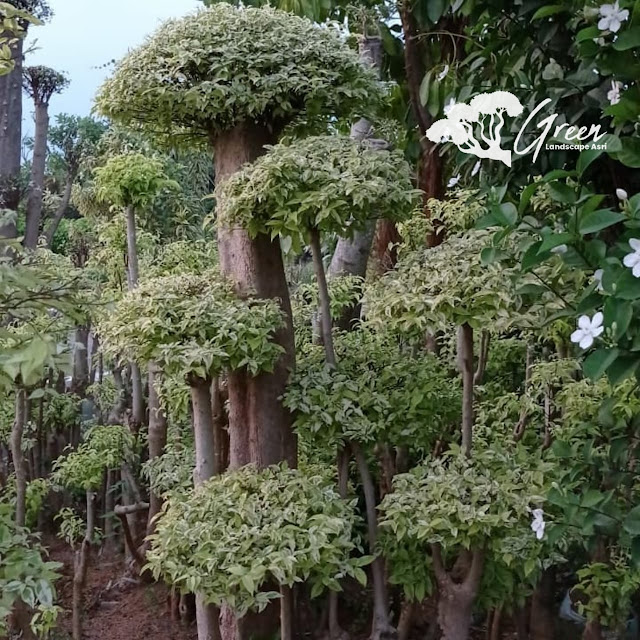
11 138
62 209
381 628
455 599
17 454
543 610
207 615
157 438
326 323
38 165
286 613
81 567
259 425
465 360
405 620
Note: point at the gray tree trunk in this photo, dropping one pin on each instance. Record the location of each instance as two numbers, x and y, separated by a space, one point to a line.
351 255
465 362
11 138
207 615
17 454
38 166
80 380
133 276
62 209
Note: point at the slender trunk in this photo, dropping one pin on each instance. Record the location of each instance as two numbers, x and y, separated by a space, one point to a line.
137 398
133 270
335 631
465 359
592 631
496 625
11 138
381 627
81 567
207 615
219 433
108 509
405 619
326 328
38 165
18 455
286 613
80 380
60 211
257 417
157 439
483 357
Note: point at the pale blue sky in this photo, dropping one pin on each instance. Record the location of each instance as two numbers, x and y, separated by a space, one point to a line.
86 34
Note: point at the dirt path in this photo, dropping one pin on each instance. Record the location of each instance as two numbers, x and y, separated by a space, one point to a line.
117 607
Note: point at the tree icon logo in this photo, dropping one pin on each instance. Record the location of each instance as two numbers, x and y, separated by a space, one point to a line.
483 115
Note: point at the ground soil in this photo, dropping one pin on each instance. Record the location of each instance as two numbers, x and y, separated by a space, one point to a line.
117 606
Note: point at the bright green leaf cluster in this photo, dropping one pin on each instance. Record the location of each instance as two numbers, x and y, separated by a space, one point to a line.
330 183
248 528
131 179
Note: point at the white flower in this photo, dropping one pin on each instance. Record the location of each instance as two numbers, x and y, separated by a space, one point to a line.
560 249
538 524
612 17
597 278
449 106
632 260
588 329
476 168
622 194
443 74
613 96
453 181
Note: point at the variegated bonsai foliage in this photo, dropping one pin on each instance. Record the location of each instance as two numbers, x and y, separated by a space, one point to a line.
220 67
193 325
331 184
251 528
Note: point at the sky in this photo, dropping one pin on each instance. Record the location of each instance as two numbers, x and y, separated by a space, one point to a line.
84 35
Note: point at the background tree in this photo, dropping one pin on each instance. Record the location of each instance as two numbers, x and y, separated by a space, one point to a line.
40 83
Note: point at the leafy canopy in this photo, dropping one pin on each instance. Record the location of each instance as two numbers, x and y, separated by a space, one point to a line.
131 179
330 183
223 66
449 284
247 528
193 325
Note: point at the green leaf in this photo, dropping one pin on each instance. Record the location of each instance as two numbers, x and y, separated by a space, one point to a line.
435 9
532 257
631 523
554 240
628 39
506 214
561 192
549 10
629 155
622 368
598 220
597 362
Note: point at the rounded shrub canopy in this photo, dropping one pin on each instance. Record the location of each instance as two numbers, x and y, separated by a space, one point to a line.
222 66
330 183
193 325
448 284
247 528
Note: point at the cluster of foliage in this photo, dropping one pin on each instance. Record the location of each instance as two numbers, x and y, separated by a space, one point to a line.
248 528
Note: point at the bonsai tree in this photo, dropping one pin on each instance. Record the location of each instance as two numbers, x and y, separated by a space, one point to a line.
131 182
243 75
195 327
465 510
444 286
254 528
322 184
40 83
